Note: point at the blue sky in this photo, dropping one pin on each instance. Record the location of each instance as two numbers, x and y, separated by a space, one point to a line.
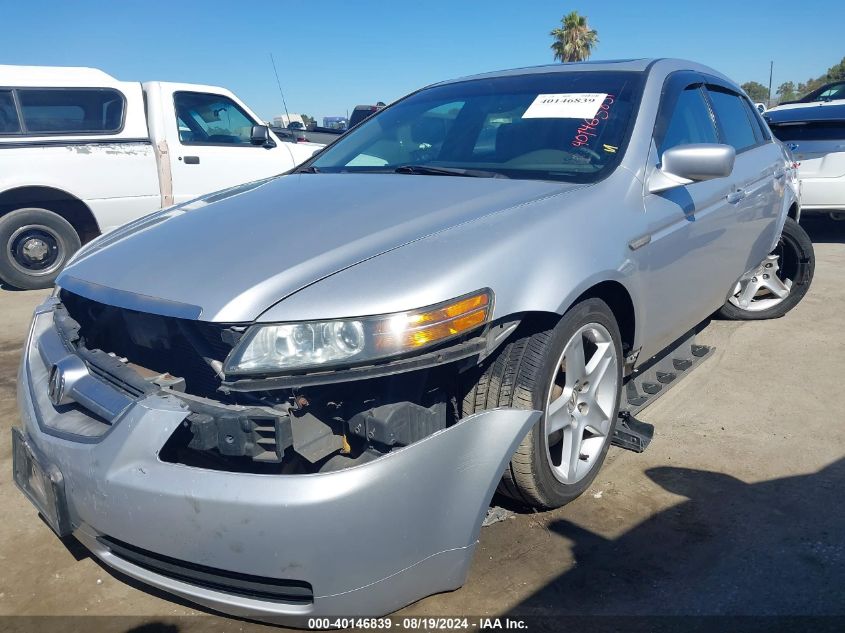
332 55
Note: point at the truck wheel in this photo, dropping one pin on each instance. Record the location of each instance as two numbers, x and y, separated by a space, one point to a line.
572 372
36 244
779 283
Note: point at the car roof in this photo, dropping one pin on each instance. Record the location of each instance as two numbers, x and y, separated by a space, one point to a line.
817 112
644 64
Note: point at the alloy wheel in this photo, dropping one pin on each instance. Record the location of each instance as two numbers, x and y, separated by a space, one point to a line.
581 402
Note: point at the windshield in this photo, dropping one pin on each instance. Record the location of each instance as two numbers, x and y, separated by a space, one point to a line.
826 93
568 126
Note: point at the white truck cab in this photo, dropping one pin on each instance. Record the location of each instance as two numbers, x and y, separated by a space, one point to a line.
82 153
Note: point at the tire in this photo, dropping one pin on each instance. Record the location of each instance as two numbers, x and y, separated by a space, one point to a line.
35 244
793 262
527 374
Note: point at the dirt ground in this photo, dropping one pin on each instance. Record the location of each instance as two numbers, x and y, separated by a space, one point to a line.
735 508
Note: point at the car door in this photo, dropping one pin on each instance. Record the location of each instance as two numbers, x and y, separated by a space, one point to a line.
212 149
759 179
685 255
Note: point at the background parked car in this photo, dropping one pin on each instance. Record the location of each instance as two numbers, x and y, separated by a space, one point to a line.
82 153
816 138
829 94
361 112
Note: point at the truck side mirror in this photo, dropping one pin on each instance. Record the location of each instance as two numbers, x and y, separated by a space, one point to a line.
260 135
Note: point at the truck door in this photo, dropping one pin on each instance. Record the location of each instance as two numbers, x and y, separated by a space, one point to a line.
210 146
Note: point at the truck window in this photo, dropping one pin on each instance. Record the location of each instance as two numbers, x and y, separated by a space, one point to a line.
71 110
208 119
9 123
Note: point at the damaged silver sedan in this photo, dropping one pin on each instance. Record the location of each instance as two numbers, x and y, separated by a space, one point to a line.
298 396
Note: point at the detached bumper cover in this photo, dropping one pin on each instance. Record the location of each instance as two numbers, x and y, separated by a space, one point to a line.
362 541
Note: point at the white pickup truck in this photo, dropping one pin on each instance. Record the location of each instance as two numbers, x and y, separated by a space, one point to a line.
82 153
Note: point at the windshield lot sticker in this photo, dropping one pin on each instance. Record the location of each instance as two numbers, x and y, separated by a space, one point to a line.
573 105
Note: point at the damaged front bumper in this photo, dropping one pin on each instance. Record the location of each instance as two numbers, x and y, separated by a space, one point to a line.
365 540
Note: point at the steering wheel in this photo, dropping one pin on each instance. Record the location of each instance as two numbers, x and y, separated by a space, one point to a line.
588 152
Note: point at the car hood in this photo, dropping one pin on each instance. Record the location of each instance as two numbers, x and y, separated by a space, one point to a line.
229 256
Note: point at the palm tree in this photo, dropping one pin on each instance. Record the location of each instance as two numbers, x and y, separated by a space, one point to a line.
575 41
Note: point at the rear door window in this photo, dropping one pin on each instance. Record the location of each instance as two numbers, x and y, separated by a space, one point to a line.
760 127
9 123
691 121
733 119
71 110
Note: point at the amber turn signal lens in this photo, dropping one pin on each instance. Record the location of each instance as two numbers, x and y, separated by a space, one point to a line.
412 330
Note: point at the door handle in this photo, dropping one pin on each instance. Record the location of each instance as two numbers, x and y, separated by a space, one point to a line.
192 160
735 196
780 173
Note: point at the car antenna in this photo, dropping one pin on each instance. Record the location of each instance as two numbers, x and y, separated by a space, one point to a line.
279 83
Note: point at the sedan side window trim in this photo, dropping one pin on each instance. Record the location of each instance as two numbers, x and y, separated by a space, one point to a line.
722 87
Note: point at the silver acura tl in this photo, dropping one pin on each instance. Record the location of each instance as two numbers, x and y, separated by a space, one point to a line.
296 397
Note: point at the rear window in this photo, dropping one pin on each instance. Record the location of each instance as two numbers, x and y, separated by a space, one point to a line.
811 131
9 123
359 114
71 111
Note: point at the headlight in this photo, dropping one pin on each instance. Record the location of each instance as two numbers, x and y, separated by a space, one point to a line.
315 344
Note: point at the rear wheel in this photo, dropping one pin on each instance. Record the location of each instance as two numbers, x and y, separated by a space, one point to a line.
779 283
34 246
573 373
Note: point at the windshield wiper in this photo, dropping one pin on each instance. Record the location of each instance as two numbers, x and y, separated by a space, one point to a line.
307 170
430 170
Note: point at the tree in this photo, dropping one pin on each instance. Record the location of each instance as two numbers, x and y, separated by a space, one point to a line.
309 121
786 91
574 42
756 91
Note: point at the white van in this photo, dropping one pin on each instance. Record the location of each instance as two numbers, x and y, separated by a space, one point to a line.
82 153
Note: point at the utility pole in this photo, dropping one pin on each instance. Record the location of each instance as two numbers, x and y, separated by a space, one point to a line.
769 99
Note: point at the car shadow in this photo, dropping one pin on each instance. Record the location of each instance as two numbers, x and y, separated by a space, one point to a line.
772 548
823 230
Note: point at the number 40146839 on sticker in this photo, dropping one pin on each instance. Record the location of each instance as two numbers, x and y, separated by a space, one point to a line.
572 105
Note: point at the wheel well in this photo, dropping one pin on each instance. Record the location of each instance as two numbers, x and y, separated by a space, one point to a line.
793 211
616 296
60 202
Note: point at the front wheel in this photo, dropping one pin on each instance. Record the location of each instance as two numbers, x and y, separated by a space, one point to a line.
779 283
573 373
35 244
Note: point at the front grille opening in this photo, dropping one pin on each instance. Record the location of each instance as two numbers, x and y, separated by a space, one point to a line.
162 344
247 585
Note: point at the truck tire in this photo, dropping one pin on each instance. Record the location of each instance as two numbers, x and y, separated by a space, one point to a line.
561 455
779 283
35 244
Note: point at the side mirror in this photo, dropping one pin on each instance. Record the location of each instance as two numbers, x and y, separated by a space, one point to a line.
686 164
260 135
